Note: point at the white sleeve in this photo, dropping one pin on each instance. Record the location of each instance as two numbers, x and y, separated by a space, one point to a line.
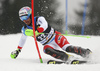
22 40
42 22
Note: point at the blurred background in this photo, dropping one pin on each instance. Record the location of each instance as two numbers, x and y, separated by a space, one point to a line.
63 15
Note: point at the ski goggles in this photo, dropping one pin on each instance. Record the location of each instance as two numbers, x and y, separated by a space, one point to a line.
24 17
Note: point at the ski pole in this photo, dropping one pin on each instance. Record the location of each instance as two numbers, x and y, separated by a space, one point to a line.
32 5
65 35
77 36
36 33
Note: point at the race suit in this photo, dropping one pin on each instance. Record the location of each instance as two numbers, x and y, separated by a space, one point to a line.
50 38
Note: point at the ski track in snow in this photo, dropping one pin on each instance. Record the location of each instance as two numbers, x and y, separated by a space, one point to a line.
28 59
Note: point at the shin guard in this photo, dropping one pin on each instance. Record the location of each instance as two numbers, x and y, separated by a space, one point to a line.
56 54
76 50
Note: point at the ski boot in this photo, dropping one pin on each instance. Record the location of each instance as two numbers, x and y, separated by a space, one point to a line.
15 53
87 53
79 51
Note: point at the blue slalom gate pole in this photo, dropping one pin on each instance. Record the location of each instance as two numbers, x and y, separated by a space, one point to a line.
84 16
66 16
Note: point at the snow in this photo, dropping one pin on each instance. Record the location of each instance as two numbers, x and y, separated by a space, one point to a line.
28 59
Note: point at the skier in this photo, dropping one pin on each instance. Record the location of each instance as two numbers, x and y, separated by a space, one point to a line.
51 39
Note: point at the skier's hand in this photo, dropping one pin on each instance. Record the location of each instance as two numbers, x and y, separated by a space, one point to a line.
29 32
15 53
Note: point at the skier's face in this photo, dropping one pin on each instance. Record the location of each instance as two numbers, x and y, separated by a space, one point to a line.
28 21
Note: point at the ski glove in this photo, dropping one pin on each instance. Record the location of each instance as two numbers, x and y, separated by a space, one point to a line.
29 32
15 53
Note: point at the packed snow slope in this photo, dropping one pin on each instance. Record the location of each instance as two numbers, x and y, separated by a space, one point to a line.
28 59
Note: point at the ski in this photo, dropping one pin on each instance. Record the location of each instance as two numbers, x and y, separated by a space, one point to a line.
61 62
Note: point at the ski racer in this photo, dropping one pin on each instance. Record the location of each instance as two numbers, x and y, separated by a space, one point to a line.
51 39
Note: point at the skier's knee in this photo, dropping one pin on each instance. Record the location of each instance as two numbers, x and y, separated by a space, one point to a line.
69 49
47 50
